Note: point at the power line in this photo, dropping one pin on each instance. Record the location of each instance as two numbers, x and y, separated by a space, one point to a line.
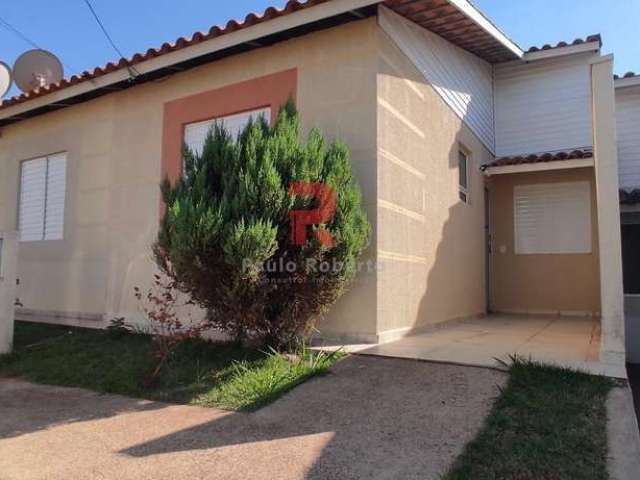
24 37
18 33
134 73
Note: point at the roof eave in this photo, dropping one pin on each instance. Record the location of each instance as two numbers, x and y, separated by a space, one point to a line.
539 166
479 18
625 82
208 50
120 78
562 51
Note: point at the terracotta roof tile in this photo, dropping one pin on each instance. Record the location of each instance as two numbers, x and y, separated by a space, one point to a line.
629 196
578 41
182 42
421 11
542 157
627 75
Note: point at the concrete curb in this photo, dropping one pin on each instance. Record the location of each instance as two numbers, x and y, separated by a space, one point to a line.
623 437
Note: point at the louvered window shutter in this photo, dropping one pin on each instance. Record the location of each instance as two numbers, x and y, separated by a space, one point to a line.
42 198
552 218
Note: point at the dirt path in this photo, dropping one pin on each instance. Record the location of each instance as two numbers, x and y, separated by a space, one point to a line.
371 418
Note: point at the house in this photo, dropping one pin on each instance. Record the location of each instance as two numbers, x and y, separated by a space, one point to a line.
490 174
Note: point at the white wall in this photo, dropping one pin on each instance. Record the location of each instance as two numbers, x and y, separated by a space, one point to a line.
543 105
464 81
8 264
628 125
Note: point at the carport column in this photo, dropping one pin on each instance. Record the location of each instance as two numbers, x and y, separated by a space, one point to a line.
8 272
606 170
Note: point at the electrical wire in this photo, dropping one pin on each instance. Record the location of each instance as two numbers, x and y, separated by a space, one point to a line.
18 33
25 38
132 71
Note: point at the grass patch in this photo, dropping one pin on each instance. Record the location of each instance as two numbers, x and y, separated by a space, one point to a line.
27 333
249 388
202 373
549 423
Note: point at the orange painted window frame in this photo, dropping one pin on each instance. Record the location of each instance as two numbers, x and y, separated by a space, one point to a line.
271 91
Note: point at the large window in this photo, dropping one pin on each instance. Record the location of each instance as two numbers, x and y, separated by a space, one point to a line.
42 195
552 218
196 133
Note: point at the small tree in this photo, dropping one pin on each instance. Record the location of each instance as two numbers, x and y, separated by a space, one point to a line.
161 306
226 236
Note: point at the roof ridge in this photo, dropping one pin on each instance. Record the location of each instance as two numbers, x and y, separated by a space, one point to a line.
541 157
626 75
596 37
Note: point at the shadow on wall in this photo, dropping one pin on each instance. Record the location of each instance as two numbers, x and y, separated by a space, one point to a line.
438 273
438 270
455 285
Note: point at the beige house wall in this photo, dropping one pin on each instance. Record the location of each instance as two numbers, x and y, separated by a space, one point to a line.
113 171
550 284
431 245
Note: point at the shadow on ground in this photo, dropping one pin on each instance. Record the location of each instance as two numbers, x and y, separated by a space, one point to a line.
407 419
28 408
369 418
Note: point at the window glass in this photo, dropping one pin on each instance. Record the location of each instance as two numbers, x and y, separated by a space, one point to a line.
195 134
463 174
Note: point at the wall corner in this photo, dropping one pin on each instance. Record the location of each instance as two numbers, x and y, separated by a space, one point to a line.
609 236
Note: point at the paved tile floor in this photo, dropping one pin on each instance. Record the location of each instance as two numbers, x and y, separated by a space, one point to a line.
566 341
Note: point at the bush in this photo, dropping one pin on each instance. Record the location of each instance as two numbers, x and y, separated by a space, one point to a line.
226 236
161 306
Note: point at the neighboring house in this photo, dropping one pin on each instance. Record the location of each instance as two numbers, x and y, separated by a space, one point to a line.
628 134
490 174
628 128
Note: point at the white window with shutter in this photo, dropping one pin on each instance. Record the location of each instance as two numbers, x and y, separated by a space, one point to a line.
42 198
553 218
195 134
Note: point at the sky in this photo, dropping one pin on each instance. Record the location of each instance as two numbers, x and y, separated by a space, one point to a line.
67 28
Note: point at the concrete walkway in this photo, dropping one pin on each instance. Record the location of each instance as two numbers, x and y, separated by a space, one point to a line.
369 419
624 439
564 341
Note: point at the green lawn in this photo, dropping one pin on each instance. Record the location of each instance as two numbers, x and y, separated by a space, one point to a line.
548 424
200 373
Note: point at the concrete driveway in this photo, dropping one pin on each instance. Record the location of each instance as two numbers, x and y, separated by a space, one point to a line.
371 418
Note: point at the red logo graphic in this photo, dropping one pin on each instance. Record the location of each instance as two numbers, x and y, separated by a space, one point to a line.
300 219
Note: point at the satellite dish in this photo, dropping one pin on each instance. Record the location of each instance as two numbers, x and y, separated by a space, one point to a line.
5 78
35 69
